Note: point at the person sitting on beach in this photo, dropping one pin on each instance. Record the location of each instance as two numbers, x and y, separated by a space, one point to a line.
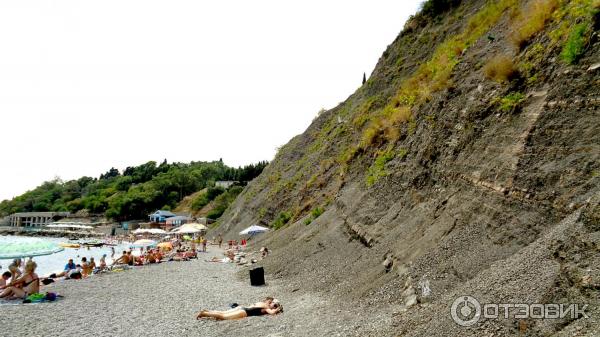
268 307
159 256
103 262
85 267
14 269
136 260
124 259
74 274
264 252
29 283
5 277
92 265
68 267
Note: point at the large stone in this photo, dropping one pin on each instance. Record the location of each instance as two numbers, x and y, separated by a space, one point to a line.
594 67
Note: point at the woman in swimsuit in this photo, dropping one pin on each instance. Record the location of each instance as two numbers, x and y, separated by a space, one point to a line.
269 307
29 281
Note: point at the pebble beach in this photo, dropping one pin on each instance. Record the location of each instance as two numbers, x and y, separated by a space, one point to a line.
163 299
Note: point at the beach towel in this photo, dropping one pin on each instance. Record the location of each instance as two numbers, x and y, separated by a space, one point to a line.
39 298
33 299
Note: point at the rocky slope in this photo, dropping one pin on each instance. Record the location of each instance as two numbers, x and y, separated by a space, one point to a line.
468 164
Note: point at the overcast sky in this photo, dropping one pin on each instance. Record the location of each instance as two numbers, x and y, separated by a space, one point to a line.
87 85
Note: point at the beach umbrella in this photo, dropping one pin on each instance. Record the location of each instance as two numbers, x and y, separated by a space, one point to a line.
143 243
254 230
190 228
157 231
186 231
13 250
165 245
195 225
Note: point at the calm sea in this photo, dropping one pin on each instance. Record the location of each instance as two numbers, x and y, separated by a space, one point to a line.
55 262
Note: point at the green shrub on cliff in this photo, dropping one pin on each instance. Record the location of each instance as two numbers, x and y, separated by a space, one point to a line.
575 45
282 219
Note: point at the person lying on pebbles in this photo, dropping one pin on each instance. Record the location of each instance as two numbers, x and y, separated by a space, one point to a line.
269 306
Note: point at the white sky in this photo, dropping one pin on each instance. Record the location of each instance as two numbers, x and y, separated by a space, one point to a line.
87 85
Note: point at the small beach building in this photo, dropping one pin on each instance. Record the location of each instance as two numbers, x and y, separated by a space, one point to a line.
161 216
178 220
35 219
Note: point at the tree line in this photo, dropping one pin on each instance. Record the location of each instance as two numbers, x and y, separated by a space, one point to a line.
131 194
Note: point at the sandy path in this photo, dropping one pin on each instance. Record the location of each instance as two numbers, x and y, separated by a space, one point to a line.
161 300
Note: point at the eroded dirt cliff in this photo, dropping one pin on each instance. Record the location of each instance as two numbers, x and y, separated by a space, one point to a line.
469 164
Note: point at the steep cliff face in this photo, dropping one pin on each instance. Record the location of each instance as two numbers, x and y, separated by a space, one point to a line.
469 163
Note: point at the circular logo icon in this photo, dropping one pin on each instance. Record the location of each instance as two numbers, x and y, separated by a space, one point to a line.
466 311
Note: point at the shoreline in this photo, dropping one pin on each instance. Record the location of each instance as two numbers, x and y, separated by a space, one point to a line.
39 232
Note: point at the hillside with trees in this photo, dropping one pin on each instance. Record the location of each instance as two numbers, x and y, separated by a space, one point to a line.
133 193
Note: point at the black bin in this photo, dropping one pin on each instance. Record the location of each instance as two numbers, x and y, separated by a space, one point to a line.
257 276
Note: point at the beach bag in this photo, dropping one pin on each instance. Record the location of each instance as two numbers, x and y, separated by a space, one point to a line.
257 276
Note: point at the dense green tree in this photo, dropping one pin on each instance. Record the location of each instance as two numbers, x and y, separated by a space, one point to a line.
136 193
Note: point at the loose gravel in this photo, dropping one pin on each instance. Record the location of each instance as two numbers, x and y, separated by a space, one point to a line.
160 300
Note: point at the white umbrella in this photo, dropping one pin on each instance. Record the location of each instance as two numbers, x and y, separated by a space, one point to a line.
195 225
254 230
143 243
188 230
157 231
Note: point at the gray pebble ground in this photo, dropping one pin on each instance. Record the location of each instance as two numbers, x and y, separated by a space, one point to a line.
162 300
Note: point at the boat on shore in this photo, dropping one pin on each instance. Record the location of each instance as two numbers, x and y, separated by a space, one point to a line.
92 244
69 245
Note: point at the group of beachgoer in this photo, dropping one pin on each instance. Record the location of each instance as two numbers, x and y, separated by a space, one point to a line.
237 256
17 283
81 270
21 280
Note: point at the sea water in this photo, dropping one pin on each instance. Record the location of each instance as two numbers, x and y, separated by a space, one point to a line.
56 262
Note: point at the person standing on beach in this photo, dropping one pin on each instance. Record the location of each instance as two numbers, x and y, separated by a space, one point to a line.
112 254
220 240
204 242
